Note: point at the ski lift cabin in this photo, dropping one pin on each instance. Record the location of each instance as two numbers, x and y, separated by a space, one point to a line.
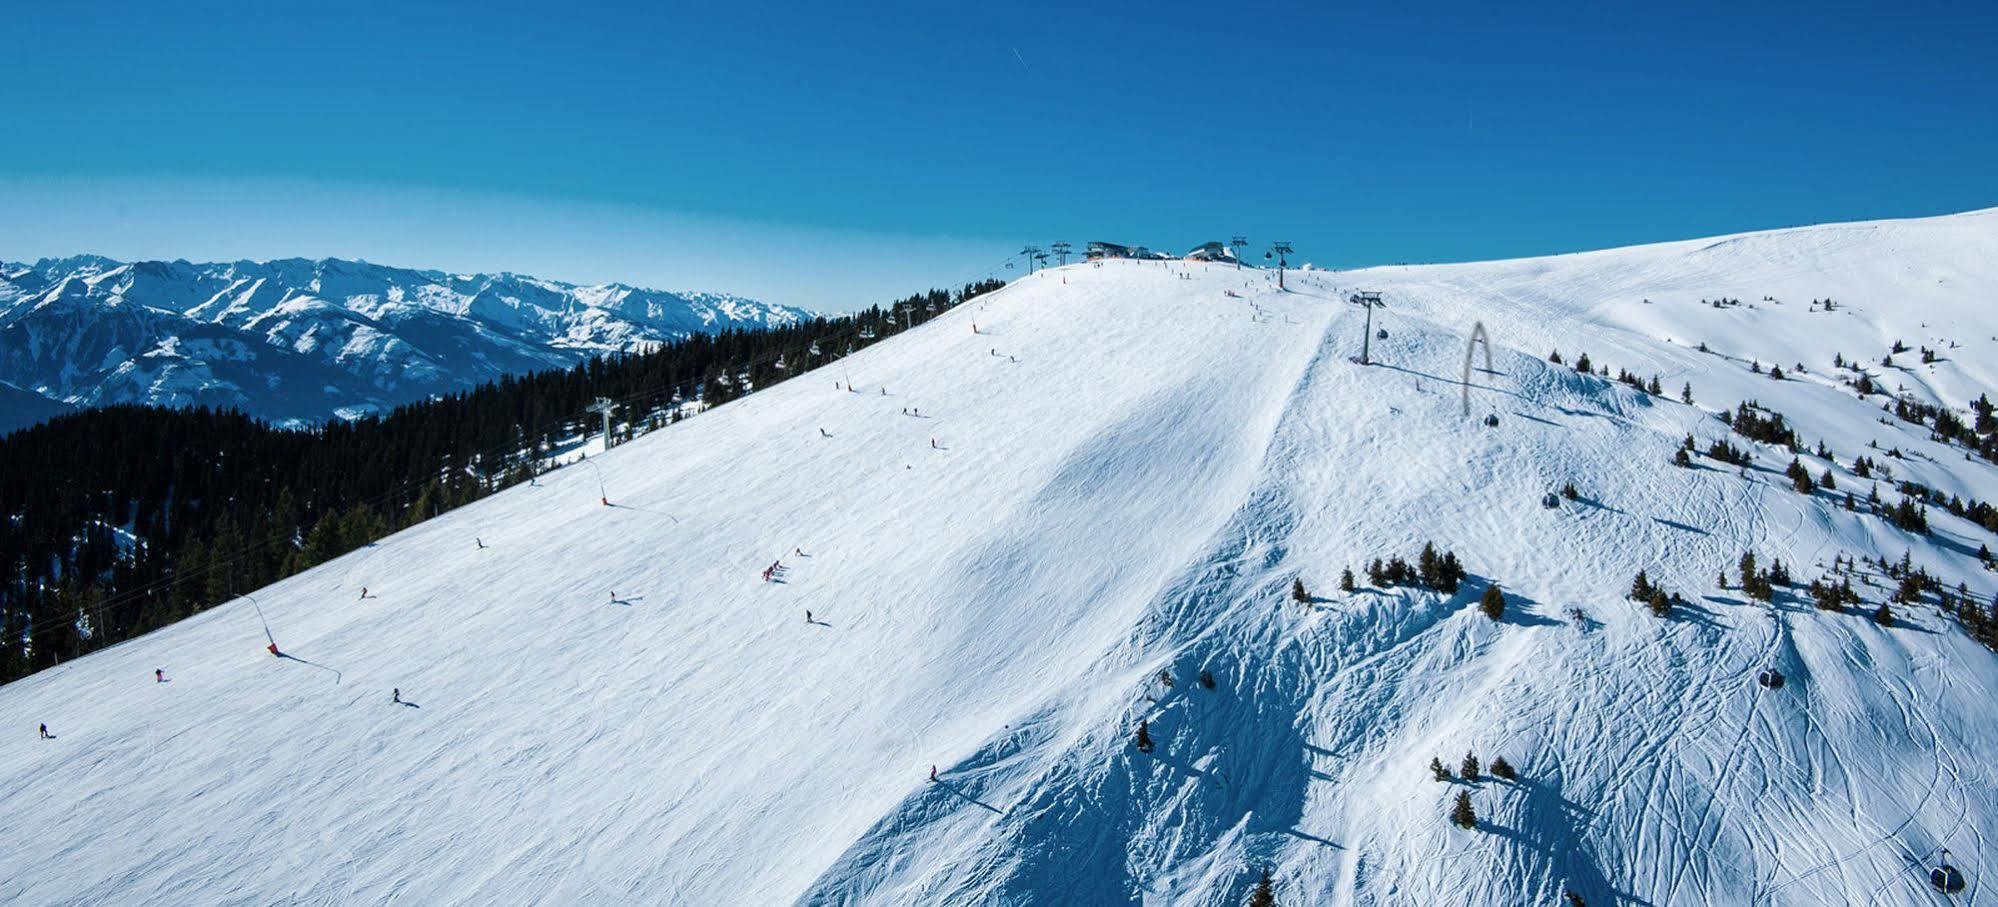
1945 878
1770 679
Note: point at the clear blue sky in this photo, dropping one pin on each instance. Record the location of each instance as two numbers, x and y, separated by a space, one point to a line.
827 154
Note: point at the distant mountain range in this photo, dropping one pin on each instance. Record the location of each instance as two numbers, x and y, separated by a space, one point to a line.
298 341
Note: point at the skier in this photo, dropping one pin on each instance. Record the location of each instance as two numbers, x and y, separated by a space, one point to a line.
159 675
605 499
274 650
808 615
933 774
933 444
824 434
798 551
364 592
395 696
45 733
479 541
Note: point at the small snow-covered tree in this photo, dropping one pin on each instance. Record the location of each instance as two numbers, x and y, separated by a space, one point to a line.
1503 769
1346 583
1468 769
1437 771
1297 593
1492 603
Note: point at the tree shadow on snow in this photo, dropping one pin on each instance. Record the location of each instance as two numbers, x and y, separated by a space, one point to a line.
1312 838
953 788
1690 611
1516 605
1675 524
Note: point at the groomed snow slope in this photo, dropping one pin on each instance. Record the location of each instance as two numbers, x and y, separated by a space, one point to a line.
1129 466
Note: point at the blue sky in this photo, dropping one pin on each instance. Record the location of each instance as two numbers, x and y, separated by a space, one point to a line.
830 155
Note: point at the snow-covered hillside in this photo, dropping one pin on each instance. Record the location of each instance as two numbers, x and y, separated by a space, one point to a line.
1015 518
298 340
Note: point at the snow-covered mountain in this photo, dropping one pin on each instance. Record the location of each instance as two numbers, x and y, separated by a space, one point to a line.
301 341
1012 535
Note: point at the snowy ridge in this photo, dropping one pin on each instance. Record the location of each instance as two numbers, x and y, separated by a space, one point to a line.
301 341
1118 474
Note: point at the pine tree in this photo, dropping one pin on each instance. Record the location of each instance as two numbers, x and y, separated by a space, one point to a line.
1659 604
1437 771
1144 740
1492 603
1264 894
1640 588
1297 593
1681 459
1503 769
1582 364
1468 769
1426 567
1686 393
1884 615
1462 815
1346 583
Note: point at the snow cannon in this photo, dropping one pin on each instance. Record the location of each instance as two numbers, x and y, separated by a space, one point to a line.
1945 878
1770 679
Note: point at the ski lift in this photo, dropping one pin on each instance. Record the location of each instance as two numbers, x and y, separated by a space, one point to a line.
1381 334
1491 420
1268 255
1945 878
1770 679
867 333
815 349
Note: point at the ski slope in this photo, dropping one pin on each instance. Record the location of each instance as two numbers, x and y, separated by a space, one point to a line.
1119 473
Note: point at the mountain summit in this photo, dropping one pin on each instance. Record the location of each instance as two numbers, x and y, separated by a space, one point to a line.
1128 584
300 341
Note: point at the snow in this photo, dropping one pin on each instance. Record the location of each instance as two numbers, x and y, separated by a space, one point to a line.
383 335
609 706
